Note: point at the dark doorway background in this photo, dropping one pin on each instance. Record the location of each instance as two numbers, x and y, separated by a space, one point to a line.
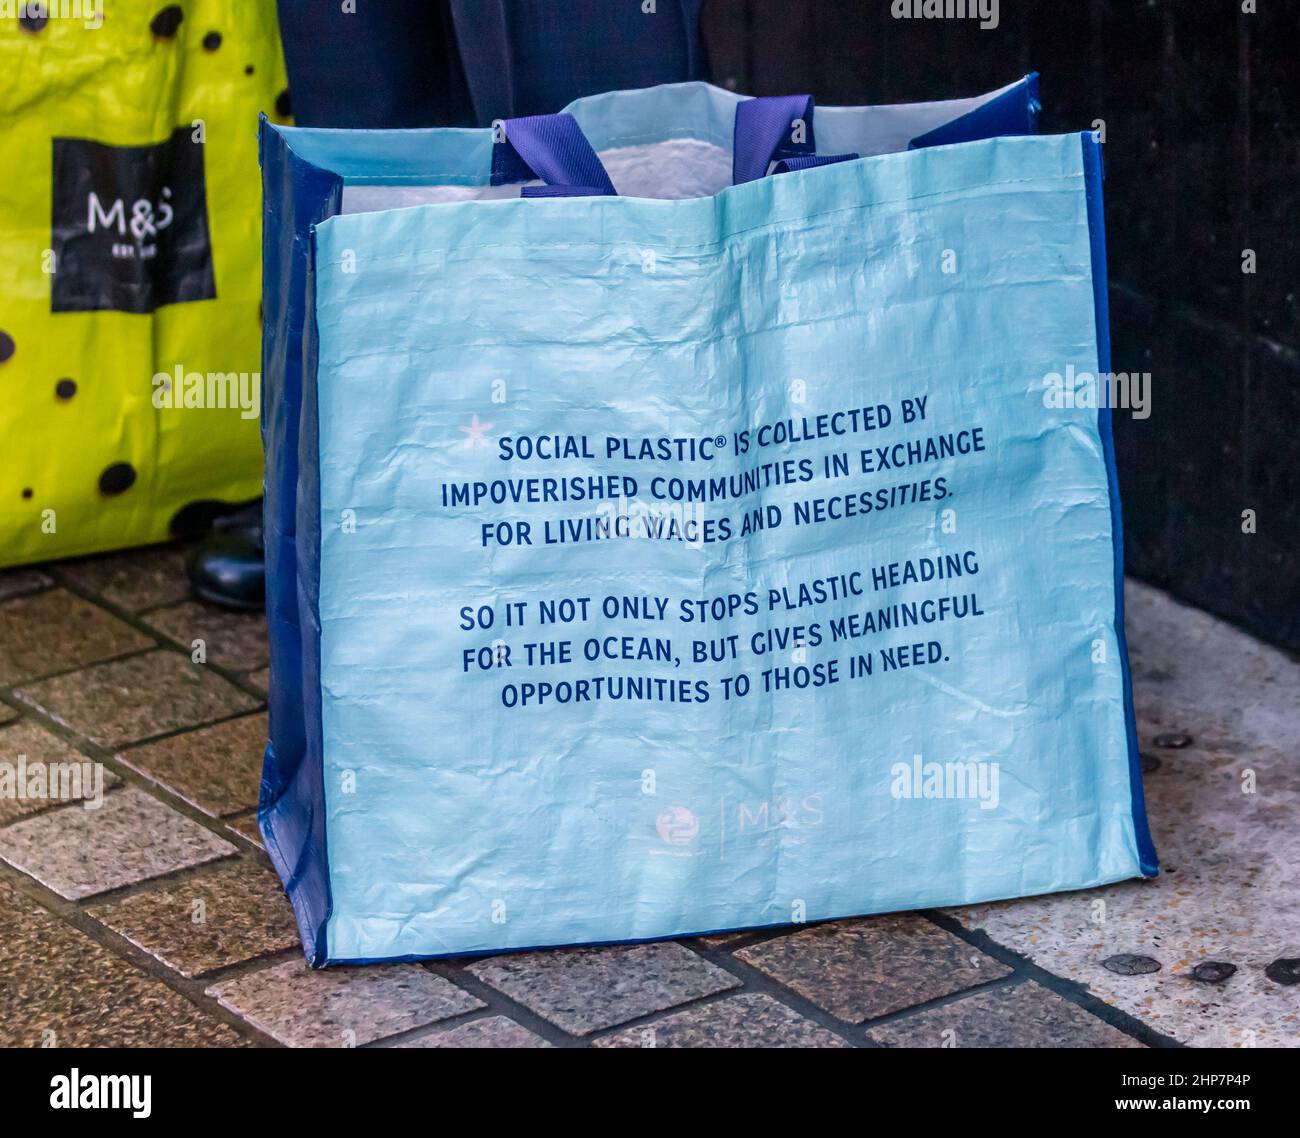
1199 101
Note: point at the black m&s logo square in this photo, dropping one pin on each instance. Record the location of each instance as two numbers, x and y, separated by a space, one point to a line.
130 226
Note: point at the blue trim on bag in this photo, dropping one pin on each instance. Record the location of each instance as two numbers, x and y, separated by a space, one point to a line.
1092 173
1014 112
477 954
309 541
291 805
549 946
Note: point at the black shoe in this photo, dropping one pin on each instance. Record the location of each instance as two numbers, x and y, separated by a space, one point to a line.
229 568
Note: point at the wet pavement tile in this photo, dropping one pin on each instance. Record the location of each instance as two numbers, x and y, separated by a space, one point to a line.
341 1007
217 769
858 970
131 837
64 772
128 700
59 988
222 915
1223 812
232 640
491 1031
1024 1016
57 630
747 1020
586 989
135 580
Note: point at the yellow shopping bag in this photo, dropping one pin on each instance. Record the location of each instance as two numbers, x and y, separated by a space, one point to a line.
130 252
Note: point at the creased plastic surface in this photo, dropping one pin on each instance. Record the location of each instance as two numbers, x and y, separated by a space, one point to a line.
778 806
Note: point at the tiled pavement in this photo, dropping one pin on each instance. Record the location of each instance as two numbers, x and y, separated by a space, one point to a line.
156 920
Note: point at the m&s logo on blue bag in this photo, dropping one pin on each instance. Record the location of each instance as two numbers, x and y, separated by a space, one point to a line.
678 827
753 821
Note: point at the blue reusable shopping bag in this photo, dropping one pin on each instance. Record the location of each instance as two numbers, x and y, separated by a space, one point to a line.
640 568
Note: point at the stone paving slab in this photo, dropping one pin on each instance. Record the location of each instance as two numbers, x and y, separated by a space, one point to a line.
1026 1015
1228 889
217 769
341 1007
222 915
233 640
58 988
491 1031
585 989
55 630
859 970
25 738
748 1020
135 580
135 699
130 838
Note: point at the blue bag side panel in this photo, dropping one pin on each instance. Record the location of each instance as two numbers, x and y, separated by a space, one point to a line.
1011 113
291 812
1092 166
316 853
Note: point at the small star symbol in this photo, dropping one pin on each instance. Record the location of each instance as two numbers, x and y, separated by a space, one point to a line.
474 436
